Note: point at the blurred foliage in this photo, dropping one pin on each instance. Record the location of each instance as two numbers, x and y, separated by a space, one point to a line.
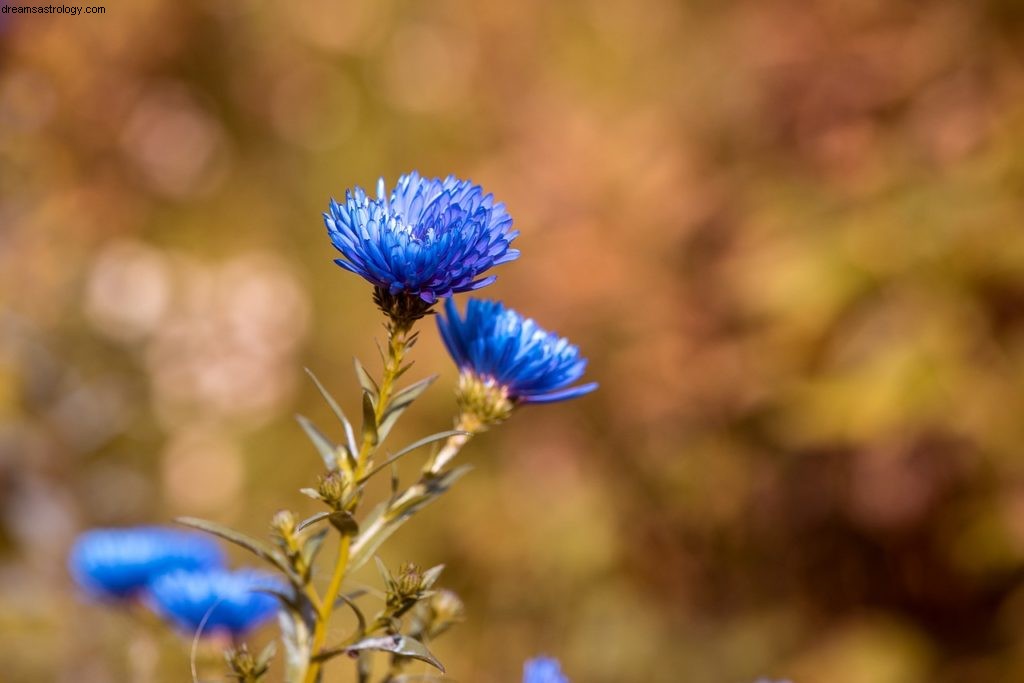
786 233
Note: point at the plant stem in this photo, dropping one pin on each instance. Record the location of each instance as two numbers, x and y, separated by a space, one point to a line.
398 344
454 443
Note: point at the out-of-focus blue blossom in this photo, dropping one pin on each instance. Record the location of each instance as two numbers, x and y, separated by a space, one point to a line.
118 563
543 670
235 602
498 345
431 238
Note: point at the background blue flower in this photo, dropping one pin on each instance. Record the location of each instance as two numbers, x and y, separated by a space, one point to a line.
496 343
118 563
229 601
543 670
431 238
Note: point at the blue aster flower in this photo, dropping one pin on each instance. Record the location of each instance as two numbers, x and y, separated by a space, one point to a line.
118 563
430 239
235 602
502 349
543 670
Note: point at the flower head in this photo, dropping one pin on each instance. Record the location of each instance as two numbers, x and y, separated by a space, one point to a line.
543 670
118 563
217 600
430 239
510 356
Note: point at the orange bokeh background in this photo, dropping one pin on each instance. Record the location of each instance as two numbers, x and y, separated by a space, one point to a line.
787 235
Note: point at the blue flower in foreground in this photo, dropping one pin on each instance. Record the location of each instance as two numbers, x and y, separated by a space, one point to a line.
431 238
499 346
228 601
543 670
118 563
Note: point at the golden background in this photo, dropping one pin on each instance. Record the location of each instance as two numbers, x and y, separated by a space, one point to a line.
787 234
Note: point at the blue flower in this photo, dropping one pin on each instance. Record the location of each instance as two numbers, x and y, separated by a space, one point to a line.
431 239
228 601
498 346
543 670
118 563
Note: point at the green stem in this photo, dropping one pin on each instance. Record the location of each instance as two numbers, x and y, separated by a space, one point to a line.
398 344
467 423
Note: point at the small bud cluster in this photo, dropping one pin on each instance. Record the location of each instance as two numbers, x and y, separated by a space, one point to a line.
244 667
407 589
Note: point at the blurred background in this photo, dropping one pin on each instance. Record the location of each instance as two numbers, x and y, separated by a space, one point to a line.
786 233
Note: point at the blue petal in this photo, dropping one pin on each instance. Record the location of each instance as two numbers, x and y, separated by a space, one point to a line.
119 563
431 238
543 670
217 600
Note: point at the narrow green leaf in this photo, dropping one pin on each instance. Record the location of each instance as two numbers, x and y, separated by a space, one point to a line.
383 521
413 391
396 644
311 520
385 573
336 409
431 576
285 599
327 450
360 617
312 546
365 381
310 493
257 548
439 436
369 420
399 403
394 480
404 369
263 660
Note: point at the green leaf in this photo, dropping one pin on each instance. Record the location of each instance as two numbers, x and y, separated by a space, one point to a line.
400 402
365 381
312 519
336 409
404 369
312 546
263 660
310 493
412 392
327 450
385 573
261 550
431 576
287 600
360 617
385 520
439 436
397 644
369 420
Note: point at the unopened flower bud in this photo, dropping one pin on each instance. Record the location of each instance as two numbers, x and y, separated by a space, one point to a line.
332 489
446 608
410 580
283 525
